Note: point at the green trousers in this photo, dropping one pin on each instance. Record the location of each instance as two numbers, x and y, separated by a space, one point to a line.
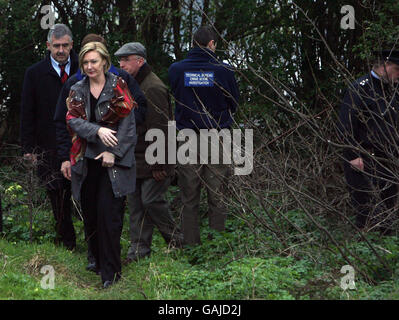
191 177
148 209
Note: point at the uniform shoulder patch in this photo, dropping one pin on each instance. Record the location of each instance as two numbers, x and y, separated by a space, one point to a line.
363 82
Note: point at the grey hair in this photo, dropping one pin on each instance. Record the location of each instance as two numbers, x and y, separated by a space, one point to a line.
58 31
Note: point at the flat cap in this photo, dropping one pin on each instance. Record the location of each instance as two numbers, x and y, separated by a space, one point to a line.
130 48
388 55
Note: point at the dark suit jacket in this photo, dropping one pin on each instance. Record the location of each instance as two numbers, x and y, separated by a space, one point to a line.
41 88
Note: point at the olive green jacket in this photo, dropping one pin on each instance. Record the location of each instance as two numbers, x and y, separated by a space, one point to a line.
159 112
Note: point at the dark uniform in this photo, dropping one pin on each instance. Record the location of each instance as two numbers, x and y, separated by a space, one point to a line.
368 127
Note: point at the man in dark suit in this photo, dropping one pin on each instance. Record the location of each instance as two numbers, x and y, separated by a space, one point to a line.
42 84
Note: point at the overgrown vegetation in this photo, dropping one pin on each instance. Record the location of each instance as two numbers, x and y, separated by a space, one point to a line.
290 228
244 262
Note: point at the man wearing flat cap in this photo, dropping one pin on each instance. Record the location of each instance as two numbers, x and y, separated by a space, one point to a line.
368 128
147 205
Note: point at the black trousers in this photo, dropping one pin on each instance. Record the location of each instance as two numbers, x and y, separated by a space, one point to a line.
103 219
373 194
58 190
61 206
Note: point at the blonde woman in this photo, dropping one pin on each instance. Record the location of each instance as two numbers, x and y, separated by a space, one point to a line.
103 169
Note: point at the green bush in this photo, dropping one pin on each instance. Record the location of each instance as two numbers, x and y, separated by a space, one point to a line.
16 216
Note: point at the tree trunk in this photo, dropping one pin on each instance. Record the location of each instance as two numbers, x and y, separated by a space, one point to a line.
127 22
204 18
176 21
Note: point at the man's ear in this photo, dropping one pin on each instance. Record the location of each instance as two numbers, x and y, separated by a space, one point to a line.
211 45
48 45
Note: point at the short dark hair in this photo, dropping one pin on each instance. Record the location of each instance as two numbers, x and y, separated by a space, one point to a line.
203 35
92 37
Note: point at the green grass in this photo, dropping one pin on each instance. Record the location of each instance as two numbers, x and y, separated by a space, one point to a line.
219 269
167 274
239 263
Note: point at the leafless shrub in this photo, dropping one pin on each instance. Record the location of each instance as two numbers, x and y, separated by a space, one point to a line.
297 191
25 188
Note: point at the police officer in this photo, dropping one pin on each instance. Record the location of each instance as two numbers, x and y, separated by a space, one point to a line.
206 96
368 128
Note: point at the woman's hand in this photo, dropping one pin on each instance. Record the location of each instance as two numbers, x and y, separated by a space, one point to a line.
66 169
107 137
108 159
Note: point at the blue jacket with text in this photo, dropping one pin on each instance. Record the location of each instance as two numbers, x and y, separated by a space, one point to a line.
205 91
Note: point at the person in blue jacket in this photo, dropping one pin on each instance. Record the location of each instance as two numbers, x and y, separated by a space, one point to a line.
62 135
206 96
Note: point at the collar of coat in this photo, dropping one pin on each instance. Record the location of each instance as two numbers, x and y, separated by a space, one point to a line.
144 71
203 54
82 89
375 83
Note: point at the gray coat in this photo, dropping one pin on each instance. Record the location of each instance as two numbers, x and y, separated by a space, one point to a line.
123 173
